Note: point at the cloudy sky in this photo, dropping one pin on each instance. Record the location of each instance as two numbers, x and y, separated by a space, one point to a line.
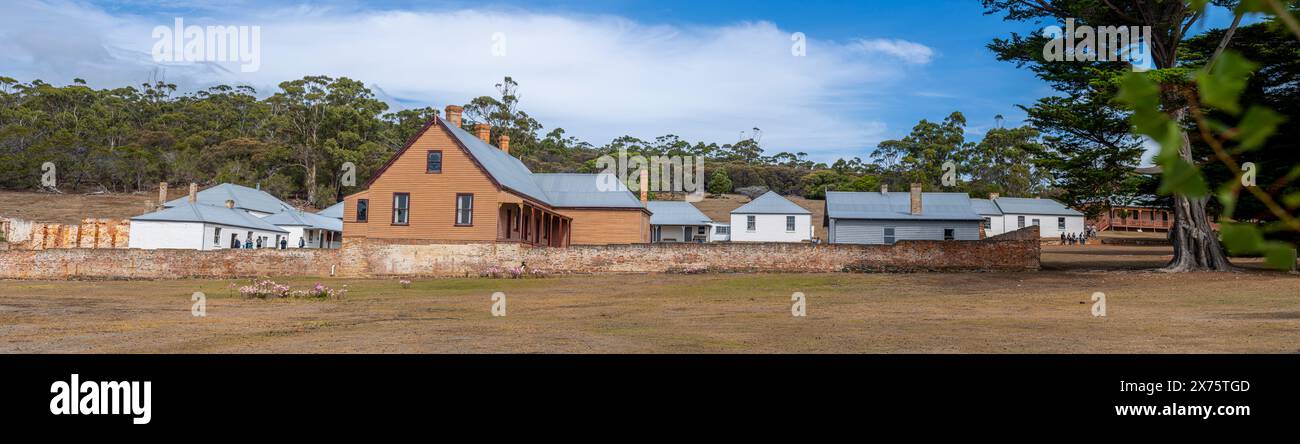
703 70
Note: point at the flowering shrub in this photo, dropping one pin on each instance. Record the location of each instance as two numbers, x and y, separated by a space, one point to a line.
264 290
406 283
267 289
491 272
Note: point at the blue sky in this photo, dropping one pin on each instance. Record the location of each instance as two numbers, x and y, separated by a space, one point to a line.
703 70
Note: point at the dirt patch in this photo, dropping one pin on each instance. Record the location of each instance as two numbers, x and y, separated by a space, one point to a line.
1022 312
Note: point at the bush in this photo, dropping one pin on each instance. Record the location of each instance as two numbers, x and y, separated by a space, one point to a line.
720 183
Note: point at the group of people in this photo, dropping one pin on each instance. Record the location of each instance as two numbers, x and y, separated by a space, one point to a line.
1074 238
249 245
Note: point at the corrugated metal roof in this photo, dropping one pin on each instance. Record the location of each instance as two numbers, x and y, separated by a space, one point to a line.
898 206
297 218
212 214
244 197
770 203
675 212
1021 205
985 207
506 169
584 191
334 211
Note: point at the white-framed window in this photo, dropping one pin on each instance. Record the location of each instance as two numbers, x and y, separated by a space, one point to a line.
216 236
750 223
889 236
464 209
401 208
789 223
1060 223
1037 223
1020 221
722 230
988 223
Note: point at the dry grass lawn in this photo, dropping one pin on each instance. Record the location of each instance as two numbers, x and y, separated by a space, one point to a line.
1032 312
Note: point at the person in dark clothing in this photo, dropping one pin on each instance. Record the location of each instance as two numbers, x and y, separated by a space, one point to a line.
248 244
234 243
302 242
284 243
1062 238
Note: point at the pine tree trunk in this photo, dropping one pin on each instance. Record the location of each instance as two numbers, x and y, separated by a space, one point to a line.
1196 245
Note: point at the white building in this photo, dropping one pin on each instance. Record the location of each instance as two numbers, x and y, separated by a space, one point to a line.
677 221
884 218
307 230
771 218
1006 214
195 226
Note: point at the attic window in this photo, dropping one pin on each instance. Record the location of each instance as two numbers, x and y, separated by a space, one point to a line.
433 162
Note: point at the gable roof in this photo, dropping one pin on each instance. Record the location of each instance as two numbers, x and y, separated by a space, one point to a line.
1022 205
334 211
245 198
209 214
770 203
297 218
984 207
505 169
675 212
572 190
898 206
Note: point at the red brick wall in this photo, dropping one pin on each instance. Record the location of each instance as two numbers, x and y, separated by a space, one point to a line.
365 257
65 263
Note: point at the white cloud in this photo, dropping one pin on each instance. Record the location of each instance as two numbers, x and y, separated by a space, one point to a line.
598 77
909 52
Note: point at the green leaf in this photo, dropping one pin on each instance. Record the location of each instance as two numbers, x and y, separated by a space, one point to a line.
1279 255
1229 201
1180 177
1248 6
1256 127
1241 239
1292 201
1138 91
1222 85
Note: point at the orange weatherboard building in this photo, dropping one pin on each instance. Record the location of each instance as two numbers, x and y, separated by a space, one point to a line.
447 185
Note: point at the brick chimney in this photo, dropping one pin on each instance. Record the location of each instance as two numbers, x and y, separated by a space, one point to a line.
994 196
916 198
884 188
645 187
483 131
453 115
162 193
194 192
504 143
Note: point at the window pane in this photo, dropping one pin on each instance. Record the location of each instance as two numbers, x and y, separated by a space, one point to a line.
363 209
749 223
465 209
949 234
433 163
789 223
1060 223
889 236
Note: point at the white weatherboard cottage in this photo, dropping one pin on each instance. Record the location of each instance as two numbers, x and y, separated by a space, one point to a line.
229 216
771 218
1006 214
885 218
677 221
307 230
195 226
